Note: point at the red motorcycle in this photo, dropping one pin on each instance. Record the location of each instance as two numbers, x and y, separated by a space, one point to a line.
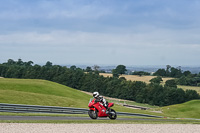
98 110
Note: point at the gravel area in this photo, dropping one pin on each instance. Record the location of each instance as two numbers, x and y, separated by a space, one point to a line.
98 128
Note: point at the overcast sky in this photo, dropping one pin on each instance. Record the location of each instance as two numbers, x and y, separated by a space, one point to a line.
101 32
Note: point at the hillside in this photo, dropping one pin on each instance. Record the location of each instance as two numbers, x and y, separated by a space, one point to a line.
189 109
40 92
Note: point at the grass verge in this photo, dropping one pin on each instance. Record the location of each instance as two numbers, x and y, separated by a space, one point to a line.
105 121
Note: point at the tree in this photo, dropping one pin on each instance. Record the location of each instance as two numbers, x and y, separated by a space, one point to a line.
115 73
175 72
186 73
120 69
160 72
10 62
156 80
191 94
73 67
48 64
140 73
88 69
171 83
168 70
29 63
96 67
122 78
20 62
183 80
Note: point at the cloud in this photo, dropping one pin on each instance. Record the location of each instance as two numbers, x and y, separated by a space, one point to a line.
99 48
139 30
51 9
97 15
155 38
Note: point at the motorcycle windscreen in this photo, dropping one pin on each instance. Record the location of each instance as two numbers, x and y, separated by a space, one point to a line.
91 103
110 104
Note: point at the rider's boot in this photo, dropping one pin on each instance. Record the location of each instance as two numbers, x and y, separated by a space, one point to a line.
107 110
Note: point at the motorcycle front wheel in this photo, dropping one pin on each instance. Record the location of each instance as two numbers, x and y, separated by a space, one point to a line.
93 114
112 114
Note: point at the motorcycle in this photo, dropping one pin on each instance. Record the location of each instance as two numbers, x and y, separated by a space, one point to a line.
96 109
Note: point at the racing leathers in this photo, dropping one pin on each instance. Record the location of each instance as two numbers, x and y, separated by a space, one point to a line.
103 100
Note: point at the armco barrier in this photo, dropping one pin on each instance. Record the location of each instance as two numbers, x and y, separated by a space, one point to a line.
135 114
40 109
19 108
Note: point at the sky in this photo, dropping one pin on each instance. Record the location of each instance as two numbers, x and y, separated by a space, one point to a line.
101 32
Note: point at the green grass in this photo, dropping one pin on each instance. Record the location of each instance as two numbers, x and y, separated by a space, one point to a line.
40 92
141 121
133 103
189 109
42 114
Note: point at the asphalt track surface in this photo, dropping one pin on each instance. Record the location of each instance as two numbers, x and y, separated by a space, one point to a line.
71 118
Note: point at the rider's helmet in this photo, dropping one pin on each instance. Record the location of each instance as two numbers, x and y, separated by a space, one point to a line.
95 94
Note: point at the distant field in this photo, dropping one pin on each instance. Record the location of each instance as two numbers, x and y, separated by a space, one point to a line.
190 88
145 79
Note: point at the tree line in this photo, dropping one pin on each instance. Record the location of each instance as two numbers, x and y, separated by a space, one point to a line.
182 77
90 80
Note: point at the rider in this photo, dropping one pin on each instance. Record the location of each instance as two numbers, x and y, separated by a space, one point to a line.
99 98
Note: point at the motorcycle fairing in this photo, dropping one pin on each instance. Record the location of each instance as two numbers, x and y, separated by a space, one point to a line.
99 107
110 104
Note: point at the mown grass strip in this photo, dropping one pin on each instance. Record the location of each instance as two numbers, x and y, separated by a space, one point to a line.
105 121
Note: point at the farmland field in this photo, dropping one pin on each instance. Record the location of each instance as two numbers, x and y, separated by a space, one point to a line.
136 77
146 79
190 88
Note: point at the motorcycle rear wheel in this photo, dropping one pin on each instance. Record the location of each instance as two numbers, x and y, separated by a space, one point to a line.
93 114
112 114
